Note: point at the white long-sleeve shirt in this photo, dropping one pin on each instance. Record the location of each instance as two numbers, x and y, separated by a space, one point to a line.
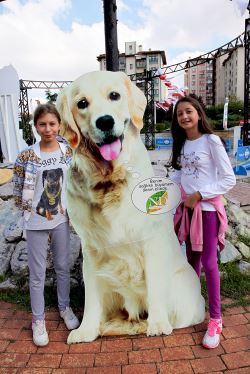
205 167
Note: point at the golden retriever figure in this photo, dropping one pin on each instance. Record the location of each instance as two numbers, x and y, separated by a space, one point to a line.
133 266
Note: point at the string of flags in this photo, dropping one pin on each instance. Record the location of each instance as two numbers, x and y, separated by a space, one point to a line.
173 93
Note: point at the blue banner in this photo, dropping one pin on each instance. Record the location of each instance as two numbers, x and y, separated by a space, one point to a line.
163 142
228 145
243 161
243 154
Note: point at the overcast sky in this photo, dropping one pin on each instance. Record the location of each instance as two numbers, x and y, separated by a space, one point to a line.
60 39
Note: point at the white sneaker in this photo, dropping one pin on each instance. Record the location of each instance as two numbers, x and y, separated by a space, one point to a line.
40 335
70 320
212 336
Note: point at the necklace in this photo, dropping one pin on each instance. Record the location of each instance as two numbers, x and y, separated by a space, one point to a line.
52 197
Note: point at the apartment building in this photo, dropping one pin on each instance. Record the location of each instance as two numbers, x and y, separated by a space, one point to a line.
135 60
234 73
199 80
219 78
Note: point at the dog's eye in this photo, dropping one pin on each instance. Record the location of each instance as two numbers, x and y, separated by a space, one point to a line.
82 104
114 96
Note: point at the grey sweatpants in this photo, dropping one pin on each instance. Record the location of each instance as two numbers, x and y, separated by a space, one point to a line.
37 243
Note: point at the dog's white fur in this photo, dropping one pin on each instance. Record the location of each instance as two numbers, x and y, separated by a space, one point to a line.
132 261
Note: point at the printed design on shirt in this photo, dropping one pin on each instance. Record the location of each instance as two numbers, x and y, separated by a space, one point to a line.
52 161
50 201
191 164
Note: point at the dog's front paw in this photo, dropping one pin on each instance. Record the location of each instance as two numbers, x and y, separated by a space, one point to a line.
82 335
159 328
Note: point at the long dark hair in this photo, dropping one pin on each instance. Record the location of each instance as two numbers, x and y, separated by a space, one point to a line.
179 135
44 109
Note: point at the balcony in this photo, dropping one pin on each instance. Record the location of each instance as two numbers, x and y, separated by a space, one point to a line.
141 64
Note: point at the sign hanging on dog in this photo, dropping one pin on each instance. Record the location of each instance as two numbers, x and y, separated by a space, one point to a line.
156 195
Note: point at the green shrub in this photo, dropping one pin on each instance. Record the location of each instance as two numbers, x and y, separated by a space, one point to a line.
160 127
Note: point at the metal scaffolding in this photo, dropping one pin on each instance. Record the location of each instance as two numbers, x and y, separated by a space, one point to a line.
149 112
25 85
25 115
145 81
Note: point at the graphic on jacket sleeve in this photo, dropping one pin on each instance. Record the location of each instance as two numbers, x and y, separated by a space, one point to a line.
50 201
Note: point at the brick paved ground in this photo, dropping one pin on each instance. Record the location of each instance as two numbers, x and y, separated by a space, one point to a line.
179 353
240 194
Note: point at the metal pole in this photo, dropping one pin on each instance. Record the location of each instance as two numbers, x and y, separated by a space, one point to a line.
110 28
246 126
149 112
225 114
154 112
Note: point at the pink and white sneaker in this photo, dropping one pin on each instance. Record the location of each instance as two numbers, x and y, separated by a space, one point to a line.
212 337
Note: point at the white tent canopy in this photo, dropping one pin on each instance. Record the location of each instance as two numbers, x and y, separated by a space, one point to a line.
10 136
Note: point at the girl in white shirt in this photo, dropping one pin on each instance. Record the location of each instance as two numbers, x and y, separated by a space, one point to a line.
204 173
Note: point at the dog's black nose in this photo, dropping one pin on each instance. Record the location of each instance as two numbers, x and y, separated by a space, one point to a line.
105 123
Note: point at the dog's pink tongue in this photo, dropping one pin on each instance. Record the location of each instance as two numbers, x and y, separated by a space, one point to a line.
111 151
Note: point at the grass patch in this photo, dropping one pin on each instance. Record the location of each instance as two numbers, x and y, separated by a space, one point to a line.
234 285
244 239
21 297
16 296
2 278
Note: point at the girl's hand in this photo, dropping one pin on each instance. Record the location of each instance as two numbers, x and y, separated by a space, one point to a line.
192 200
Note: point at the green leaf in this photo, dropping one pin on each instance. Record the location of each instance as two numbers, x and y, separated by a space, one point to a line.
153 199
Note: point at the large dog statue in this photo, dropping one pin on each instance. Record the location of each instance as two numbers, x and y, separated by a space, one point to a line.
136 278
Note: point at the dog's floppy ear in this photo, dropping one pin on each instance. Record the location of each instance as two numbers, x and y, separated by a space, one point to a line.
44 175
60 173
68 127
137 102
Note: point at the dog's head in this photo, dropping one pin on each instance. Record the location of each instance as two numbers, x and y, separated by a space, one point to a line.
97 108
52 177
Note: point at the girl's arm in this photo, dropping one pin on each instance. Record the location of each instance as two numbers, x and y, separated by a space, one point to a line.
176 176
18 181
225 175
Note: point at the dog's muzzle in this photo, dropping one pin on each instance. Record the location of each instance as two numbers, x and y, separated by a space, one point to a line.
111 145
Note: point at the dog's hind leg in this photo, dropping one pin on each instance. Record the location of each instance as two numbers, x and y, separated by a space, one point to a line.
89 329
132 307
156 284
188 301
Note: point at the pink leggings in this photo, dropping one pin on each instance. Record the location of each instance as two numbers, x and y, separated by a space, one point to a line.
208 258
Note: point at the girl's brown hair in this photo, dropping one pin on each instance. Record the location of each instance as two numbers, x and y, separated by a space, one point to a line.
179 135
44 109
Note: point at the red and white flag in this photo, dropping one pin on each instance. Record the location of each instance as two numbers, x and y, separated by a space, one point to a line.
173 92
